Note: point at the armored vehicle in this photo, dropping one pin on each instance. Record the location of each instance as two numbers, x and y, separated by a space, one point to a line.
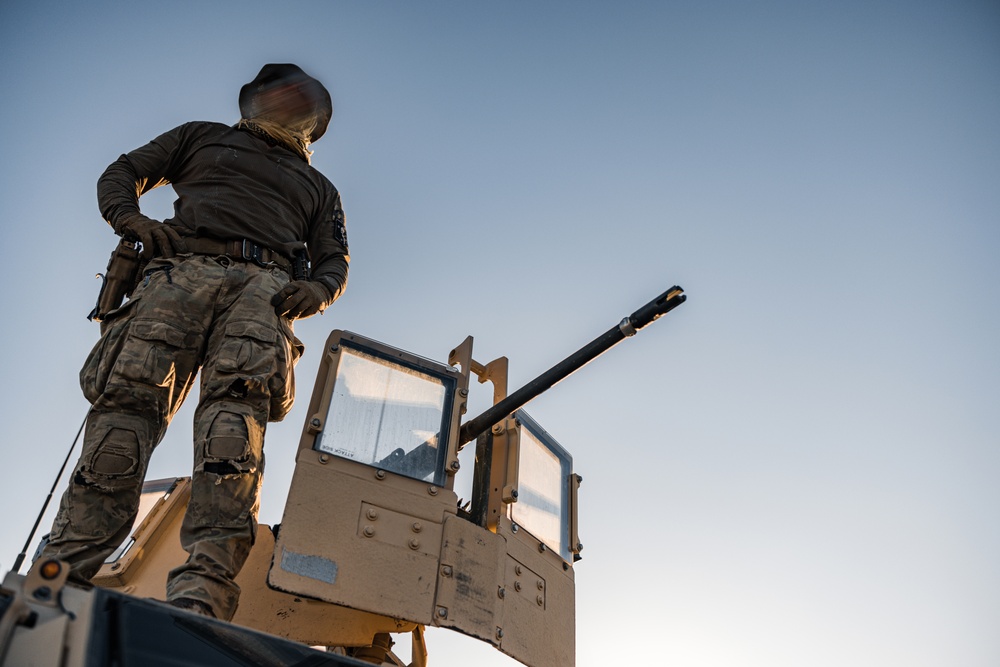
373 541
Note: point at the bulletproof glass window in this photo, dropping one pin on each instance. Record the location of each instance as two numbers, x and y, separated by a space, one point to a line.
389 413
152 493
543 479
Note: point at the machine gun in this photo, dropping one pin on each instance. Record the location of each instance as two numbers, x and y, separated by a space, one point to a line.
420 461
372 541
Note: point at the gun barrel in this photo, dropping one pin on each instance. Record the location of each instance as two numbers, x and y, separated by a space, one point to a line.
653 310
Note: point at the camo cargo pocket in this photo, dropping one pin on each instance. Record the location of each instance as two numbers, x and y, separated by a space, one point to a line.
150 352
282 383
101 361
248 350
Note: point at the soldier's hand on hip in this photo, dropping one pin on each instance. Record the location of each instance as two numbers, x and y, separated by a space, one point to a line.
301 298
157 238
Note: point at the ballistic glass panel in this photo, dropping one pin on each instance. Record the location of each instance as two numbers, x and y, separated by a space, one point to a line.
542 506
388 414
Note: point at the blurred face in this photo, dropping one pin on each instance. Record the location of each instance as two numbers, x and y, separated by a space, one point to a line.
289 105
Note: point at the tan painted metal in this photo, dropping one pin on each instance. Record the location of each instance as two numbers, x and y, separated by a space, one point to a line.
348 536
44 639
366 538
470 579
538 622
503 468
142 572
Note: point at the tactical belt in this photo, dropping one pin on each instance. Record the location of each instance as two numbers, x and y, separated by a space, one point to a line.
242 250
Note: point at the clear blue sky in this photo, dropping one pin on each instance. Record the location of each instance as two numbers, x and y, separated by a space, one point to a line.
798 467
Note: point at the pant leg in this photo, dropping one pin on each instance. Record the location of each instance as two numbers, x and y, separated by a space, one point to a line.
246 380
136 378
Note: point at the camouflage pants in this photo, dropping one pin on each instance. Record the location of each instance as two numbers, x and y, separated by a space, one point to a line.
192 312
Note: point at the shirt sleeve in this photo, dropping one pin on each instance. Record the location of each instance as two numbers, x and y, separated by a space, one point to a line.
328 249
136 173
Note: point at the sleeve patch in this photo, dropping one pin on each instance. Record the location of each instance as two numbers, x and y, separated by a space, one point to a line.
339 228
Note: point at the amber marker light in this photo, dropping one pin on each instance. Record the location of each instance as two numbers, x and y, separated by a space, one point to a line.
50 569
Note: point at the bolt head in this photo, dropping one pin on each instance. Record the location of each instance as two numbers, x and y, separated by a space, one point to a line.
501 592
446 571
380 474
316 423
442 612
369 531
455 465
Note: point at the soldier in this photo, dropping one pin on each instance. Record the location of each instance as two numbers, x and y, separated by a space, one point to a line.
219 294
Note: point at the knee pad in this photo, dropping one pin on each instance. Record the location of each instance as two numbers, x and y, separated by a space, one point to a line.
116 451
230 440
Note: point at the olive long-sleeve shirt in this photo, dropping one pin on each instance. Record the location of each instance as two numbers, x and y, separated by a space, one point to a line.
231 184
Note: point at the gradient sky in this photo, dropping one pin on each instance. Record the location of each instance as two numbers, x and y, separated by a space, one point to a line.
799 466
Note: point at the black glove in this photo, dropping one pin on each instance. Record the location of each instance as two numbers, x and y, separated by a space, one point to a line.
301 298
157 238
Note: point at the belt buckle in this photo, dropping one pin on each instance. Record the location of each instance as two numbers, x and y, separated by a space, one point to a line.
256 254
